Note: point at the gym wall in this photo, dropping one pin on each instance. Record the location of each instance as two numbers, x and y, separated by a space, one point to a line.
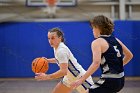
21 42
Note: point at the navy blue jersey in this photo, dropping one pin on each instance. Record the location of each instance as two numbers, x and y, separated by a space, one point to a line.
112 59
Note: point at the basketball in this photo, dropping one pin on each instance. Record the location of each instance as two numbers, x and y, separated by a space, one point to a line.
40 65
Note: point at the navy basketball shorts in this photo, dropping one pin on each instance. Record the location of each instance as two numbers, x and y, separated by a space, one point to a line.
107 85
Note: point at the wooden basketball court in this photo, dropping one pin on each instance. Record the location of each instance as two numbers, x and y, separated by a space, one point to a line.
30 85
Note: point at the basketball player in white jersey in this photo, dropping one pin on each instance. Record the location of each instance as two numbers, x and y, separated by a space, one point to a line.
70 69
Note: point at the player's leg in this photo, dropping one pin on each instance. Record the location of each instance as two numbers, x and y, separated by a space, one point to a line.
84 88
61 88
81 89
86 85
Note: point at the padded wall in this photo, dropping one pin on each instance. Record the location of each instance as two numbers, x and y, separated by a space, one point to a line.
21 42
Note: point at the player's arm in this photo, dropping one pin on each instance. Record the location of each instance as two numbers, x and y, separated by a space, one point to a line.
96 51
127 53
63 58
51 60
63 64
61 72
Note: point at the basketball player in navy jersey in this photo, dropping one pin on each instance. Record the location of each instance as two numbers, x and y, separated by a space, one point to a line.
70 69
110 54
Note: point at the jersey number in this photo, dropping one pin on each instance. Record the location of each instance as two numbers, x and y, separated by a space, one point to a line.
118 52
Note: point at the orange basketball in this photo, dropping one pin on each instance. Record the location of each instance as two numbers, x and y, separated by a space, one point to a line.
40 65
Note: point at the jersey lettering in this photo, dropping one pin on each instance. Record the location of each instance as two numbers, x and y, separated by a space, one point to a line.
117 50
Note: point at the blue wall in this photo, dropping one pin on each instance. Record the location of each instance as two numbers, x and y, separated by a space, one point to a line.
21 42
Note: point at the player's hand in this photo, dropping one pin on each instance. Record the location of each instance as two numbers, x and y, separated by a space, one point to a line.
75 84
42 76
45 58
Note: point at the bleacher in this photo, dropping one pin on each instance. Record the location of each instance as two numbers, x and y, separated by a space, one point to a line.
85 8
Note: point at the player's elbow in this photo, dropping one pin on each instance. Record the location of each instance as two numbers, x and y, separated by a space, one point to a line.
96 63
64 72
130 56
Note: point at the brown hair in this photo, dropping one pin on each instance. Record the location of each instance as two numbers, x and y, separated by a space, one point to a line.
58 32
105 25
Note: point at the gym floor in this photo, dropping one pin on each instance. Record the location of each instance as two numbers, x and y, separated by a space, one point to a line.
29 85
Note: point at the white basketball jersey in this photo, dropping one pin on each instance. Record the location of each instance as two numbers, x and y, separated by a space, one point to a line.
64 55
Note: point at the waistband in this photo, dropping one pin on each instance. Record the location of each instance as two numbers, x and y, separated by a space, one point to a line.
120 75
